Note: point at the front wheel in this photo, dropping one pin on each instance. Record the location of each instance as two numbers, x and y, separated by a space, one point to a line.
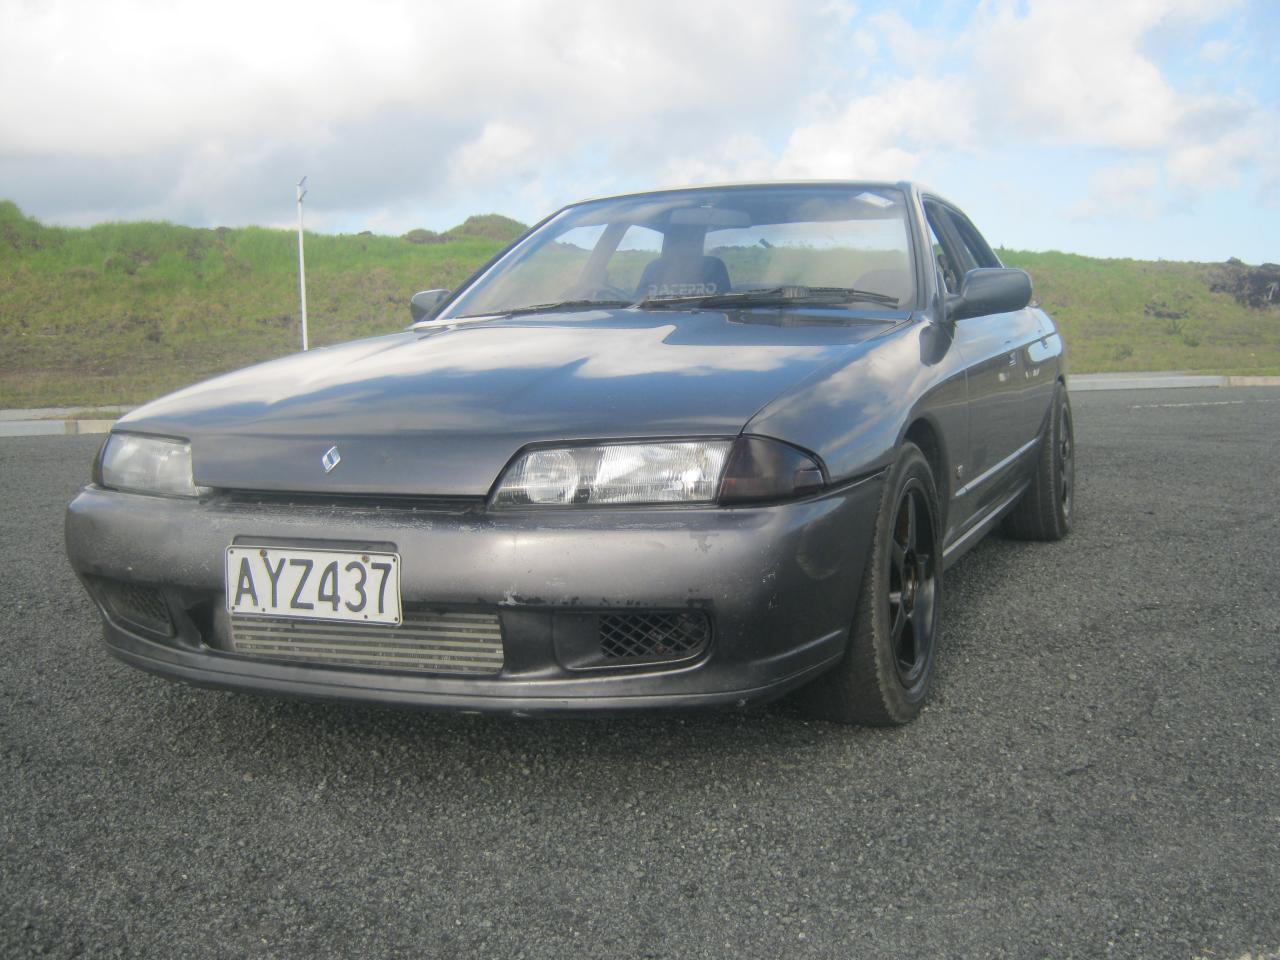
887 671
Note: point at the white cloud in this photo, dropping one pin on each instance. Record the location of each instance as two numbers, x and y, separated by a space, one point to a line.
881 135
1079 73
1060 73
1196 165
740 156
1076 72
908 44
503 89
208 112
1220 51
129 76
1125 188
501 150
121 78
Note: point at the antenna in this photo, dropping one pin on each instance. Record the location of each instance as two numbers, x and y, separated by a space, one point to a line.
302 263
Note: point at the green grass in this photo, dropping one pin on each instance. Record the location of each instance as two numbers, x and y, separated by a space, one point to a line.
1109 314
122 312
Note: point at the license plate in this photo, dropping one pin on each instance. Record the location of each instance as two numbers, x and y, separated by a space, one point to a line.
347 585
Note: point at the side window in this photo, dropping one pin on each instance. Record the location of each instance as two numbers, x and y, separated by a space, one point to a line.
978 252
946 268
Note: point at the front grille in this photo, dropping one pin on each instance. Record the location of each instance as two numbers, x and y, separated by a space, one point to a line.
426 642
653 636
141 606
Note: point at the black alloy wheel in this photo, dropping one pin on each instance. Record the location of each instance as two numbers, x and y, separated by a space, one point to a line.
888 668
913 586
1065 462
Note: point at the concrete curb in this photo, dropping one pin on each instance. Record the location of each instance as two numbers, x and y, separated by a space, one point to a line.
1170 380
64 413
53 428
1253 381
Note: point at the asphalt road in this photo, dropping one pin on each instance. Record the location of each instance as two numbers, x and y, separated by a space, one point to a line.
1096 776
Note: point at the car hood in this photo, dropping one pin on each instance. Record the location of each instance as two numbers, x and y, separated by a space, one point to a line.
440 410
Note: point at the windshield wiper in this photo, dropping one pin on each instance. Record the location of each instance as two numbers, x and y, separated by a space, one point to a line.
549 307
791 295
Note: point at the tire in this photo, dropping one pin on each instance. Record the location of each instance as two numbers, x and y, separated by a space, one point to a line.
1045 510
887 670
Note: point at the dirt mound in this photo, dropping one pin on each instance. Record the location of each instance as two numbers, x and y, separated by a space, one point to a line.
1256 287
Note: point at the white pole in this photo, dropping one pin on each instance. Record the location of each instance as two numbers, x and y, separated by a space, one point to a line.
302 264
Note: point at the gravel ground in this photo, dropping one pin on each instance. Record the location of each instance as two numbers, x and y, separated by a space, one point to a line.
1095 777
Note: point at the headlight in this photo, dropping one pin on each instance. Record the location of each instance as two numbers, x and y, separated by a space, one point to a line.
750 469
156 465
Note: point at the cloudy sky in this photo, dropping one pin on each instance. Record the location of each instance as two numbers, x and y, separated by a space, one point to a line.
1146 128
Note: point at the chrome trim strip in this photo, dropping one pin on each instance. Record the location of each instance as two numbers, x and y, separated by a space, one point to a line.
986 474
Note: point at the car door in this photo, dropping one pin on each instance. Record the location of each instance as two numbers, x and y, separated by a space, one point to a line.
1004 417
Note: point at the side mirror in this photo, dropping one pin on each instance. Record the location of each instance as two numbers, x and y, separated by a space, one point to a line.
424 304
990 290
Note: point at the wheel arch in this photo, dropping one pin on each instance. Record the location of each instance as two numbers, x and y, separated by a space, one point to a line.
926 435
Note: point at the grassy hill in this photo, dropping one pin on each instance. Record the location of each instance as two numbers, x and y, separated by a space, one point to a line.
1125 315
122 312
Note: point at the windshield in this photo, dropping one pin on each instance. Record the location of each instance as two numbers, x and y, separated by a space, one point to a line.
769 245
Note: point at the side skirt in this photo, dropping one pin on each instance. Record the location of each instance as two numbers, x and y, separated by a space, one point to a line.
966 542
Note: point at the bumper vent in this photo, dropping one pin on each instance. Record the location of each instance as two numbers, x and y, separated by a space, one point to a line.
141 606
467 644
349 503
653 636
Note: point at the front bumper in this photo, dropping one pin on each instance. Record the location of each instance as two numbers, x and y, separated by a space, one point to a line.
777 582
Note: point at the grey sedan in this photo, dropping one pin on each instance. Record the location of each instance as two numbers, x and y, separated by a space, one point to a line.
689 447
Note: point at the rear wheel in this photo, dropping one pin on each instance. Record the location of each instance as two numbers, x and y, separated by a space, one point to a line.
888 669
1045 511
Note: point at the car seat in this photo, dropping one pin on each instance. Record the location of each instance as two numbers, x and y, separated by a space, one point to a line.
676 275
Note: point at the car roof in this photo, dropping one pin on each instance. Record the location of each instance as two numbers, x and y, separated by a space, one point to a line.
908 186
